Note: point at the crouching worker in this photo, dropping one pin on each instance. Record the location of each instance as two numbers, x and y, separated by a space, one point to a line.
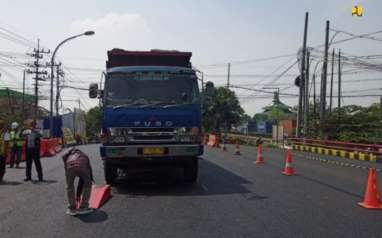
77 164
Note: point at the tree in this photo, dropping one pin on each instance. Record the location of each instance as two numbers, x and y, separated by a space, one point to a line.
93 121
221 110
357 124
245 118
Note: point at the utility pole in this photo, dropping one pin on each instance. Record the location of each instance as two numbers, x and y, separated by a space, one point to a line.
324 76
302 78
39 75
331 84
380 103
58 74
314 96
229 74
339 92
10 107
23 100
306 94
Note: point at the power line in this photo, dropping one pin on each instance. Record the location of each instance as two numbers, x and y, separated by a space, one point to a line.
239 62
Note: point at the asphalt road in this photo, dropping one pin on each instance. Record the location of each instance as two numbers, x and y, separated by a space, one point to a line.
233 198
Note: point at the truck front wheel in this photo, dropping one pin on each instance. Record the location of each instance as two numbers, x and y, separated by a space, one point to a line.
110 172
190 171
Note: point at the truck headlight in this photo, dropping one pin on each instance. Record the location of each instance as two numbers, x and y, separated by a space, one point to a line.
185 138
117 139
181 130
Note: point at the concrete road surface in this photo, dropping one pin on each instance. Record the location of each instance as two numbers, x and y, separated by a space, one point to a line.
233 198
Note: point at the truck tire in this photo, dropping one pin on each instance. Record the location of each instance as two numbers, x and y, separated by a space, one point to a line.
190 171
110 172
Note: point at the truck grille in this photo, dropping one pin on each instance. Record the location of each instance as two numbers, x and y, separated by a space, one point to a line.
146 135
153 137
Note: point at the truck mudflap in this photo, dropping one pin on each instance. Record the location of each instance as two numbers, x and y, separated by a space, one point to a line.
124 151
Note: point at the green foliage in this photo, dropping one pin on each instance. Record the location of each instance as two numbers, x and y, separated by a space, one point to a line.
357 124
275 114
221 109
245 118
93 121
261 117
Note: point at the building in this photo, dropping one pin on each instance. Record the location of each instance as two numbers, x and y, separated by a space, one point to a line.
11 105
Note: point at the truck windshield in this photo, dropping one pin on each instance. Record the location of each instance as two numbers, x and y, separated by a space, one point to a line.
150 89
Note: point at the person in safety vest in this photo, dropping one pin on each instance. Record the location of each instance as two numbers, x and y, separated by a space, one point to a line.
3 150
16 145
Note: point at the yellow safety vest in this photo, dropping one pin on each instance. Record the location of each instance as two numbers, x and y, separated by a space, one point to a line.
15 137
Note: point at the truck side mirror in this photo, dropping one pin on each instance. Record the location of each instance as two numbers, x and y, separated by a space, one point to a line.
93 90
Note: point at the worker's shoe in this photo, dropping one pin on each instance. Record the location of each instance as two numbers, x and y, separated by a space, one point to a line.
84 210
71 211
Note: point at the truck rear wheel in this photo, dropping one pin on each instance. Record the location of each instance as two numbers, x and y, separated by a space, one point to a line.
110 172
190 171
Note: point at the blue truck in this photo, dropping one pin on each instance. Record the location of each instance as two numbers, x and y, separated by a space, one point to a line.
151 113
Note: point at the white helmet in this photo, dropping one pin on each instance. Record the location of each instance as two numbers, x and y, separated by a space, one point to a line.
14 125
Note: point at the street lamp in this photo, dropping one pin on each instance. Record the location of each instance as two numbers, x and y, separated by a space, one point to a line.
87 33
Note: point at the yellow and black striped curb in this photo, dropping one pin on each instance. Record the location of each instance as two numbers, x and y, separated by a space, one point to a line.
344 164
353 155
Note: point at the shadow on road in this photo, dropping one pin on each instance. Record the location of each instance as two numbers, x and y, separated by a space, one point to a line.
213 180
320 182
94 217
44 182
331 186
12 183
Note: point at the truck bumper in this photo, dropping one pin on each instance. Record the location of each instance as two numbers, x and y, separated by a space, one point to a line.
136 151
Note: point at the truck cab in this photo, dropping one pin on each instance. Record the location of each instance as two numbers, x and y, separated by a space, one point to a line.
151 114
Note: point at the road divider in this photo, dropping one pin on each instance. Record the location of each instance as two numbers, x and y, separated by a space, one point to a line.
352 151
353 155
48 147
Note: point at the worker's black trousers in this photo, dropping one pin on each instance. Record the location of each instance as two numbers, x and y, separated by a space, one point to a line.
33 155
2 167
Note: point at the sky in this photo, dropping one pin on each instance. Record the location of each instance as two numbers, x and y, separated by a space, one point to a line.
216 32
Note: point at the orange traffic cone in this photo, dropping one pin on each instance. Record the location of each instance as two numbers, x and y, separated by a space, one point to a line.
237 148
371 199
259 159
288 164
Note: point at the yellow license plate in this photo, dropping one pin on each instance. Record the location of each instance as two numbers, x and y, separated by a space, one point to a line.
153 151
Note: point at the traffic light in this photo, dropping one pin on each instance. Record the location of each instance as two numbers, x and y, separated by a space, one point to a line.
297 81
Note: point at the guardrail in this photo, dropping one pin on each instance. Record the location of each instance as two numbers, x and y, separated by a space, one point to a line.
350 150
214 140
349 146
